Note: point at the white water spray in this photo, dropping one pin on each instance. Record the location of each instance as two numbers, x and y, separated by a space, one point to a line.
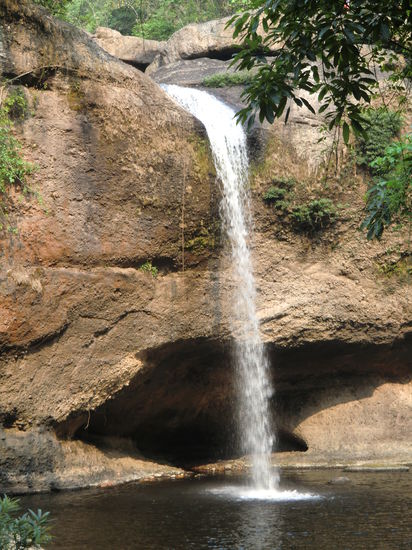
228 143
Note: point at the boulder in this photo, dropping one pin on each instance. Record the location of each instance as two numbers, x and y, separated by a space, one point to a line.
139 52
213 39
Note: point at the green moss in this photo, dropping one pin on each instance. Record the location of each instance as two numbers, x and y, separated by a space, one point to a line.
204 166
198 245
205 239
223 80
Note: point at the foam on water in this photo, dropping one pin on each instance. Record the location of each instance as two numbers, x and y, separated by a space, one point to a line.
250 493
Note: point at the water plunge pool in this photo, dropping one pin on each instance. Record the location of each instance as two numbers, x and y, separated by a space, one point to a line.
371 511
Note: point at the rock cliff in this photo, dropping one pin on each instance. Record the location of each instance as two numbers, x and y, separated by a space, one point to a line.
114 289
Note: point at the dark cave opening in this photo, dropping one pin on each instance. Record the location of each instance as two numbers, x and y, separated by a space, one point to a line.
222 54
140 66
180 407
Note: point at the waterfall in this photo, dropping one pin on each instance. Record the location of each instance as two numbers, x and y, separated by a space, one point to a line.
229 148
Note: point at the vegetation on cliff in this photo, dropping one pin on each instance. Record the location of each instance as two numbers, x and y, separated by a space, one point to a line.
389 199
13 168
222 80
332 50
388 159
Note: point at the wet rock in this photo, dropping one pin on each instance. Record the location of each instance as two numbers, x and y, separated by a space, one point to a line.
342 480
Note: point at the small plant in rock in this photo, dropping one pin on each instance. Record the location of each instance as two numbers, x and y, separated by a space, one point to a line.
30 530
314 215
147 267
401 268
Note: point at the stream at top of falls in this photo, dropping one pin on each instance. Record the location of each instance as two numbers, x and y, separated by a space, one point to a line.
254 389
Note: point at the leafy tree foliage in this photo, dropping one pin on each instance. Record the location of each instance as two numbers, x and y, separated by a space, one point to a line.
122 19
330 48
160 19
56 7
334 49
391 195
381 127
154 19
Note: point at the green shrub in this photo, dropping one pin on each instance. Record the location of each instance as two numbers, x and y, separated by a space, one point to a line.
16 105
223 80
381 126
278 194
314 215
29 530
275 195
147 267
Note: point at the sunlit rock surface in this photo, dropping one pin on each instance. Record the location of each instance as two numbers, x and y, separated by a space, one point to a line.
137 51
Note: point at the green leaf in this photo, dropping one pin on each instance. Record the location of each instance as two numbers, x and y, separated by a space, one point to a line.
287 115
345 131
308 105
322 93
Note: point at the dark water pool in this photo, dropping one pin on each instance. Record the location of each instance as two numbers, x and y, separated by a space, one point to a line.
373 511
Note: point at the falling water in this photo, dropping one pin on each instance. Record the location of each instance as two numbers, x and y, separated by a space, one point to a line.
228 143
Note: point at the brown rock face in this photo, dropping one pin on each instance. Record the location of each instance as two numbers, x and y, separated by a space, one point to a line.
136 51
104 363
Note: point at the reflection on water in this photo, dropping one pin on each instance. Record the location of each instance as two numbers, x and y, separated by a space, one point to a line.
372 512
260 531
